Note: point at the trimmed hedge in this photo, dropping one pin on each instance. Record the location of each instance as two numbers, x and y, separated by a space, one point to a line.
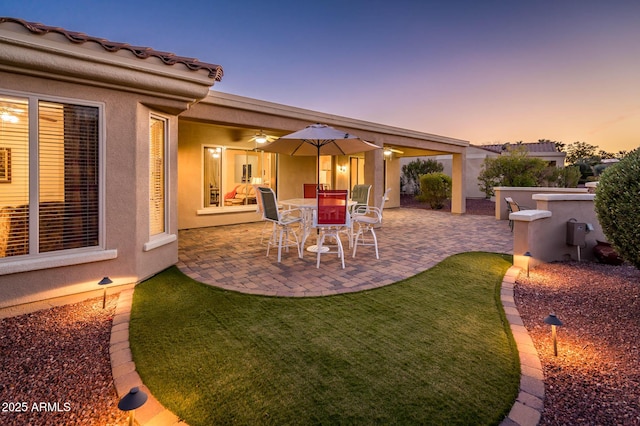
435 189
617 205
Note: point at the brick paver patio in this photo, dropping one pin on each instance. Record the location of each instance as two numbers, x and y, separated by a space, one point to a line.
410 241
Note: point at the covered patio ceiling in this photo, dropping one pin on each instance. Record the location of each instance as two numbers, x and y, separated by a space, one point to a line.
243 117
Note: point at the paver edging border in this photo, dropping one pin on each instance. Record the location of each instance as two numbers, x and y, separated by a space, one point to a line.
123 369
527 409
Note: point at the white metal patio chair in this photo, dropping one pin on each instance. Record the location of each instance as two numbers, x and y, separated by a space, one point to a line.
365 219
283 235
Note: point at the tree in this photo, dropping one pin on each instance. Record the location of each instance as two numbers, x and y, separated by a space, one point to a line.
515 168
582 152
412 171
616 205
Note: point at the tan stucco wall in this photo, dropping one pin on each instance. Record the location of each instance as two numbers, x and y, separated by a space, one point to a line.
524 197
393 182
125 211
545 238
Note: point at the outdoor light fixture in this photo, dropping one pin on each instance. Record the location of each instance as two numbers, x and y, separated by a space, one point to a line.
553 320
388 152
104 282
260 137
528 256
131 401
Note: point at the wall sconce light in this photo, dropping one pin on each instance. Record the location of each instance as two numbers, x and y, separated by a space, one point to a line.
528 256
131 401
342 169
554 322
104 282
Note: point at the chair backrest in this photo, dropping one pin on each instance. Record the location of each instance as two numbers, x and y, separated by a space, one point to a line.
384 199
269 204
309 190
512 205
360 194
259 208
332 207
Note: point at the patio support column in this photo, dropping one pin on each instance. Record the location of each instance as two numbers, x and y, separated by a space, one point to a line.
458 196
374 174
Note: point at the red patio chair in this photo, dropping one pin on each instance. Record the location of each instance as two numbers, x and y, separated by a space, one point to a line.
309 190
331 217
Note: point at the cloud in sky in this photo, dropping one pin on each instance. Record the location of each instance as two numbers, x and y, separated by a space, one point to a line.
492 71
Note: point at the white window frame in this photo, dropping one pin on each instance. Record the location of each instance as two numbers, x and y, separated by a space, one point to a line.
222 209
165 237
76 256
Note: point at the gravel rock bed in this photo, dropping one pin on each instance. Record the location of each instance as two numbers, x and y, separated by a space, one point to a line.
474 206
595 379
55 367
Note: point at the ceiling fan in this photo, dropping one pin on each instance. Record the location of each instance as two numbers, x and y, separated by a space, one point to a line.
261 137
388 151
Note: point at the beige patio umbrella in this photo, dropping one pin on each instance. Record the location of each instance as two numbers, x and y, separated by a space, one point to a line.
319 139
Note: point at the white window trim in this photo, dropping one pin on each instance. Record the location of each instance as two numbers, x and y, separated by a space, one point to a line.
57 260
159 241
222 209
166 237
39 261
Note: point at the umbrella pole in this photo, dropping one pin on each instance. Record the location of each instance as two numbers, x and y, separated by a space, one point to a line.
318 171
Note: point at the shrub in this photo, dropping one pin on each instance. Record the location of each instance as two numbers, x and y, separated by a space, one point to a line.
617 206
515 168
569 177
412 171
435 189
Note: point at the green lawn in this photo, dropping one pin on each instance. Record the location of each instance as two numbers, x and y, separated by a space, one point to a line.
432 349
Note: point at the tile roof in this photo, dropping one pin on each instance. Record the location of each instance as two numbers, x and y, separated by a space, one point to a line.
215 71
531 146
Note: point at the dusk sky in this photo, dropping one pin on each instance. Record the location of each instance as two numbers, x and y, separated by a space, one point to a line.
486 72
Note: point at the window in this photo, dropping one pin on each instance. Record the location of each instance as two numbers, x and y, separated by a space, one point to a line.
51 201
157 175
230 173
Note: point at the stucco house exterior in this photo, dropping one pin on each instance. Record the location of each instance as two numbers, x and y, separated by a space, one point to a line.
107 150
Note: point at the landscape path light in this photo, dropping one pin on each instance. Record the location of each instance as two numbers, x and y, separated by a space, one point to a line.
131 401
528 256
104 282
553 320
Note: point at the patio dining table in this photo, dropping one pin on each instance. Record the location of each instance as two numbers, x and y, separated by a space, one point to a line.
307 206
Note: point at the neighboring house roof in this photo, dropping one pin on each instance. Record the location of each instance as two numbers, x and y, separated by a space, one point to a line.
487 148
215 71
531 147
